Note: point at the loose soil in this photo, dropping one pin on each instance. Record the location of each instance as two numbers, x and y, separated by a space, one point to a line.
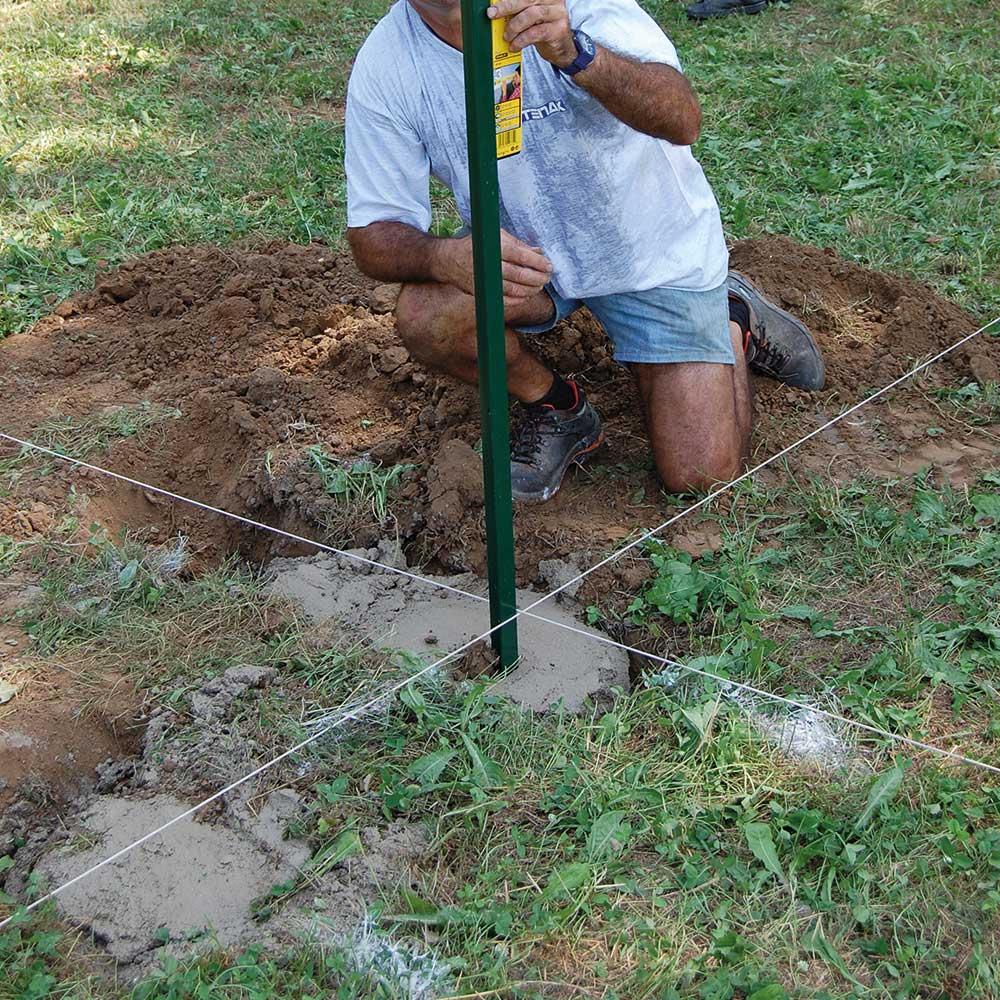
57 722
266 354
56 732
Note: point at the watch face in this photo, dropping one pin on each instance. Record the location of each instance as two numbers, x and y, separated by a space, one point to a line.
586 43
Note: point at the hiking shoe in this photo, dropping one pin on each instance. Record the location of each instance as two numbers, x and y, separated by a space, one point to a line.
546 443
778 346
720 8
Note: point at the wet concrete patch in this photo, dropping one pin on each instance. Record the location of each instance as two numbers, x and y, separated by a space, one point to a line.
556 666
195 879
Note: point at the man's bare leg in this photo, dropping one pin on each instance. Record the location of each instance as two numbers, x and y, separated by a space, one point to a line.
437 323
698 417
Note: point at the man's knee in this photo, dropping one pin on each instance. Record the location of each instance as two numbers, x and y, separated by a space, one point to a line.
701 475
432 320
414 318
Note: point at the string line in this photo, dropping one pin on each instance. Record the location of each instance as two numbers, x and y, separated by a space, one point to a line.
222 792
160 491
354 713
750 689
647 535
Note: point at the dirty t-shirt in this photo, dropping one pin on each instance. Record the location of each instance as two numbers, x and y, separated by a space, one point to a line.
613 209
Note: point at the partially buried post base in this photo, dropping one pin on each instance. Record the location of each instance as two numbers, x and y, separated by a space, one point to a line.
555 665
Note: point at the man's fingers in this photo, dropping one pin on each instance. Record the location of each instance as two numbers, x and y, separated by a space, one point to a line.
505 8
525 276
528 18
512 290
516 252
526 257
552 32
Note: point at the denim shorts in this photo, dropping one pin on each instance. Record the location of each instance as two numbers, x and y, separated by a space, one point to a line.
660 326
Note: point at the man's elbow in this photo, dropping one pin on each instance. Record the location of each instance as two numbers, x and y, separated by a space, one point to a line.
688 129
357 240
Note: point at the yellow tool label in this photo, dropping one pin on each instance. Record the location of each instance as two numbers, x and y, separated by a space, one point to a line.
507 86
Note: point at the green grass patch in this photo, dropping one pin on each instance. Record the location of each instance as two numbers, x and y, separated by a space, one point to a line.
78 437
82 437
127 127
874 599
666 847
364 490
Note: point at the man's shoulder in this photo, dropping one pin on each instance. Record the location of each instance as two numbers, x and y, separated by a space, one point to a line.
385 43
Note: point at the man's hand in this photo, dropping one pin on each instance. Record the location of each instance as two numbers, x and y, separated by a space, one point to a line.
542 23
650 97
526 270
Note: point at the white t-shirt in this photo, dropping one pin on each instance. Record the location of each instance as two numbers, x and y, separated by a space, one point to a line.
613 209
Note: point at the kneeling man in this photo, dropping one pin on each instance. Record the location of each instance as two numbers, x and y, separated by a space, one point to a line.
606 207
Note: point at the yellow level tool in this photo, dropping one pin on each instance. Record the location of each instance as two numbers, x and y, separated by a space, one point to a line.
508 84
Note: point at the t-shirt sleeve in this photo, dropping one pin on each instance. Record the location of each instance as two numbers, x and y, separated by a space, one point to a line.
387 166
624 27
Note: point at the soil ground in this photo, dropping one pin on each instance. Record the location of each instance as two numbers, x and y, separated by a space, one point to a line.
61 725
265 354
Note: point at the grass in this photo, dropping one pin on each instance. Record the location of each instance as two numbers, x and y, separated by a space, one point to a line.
82 437
129 126
665 847
979 405
364 490
9 552
32 958
133 126
879 600
93 434
128 608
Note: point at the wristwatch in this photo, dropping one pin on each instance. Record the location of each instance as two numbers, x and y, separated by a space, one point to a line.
586 53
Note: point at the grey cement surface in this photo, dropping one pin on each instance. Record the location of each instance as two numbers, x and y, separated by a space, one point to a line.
13 740
194 878
194 885
397 613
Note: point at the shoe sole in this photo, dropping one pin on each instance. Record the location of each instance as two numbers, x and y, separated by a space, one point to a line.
578 458
755 8
797 323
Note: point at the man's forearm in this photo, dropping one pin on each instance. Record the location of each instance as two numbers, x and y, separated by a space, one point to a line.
394 251
650 97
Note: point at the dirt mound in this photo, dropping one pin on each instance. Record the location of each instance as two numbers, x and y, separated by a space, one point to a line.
270 353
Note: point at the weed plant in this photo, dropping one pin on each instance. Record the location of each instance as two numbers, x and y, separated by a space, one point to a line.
364 489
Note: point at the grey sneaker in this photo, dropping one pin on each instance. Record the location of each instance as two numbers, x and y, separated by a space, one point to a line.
779 346
547 442
720 8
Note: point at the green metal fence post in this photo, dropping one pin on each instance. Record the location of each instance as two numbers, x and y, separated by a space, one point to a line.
477 42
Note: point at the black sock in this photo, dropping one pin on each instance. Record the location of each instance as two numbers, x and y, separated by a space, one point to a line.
562 396
739 313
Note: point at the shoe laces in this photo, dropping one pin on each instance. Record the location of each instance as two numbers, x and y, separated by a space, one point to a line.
767 354
535 422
